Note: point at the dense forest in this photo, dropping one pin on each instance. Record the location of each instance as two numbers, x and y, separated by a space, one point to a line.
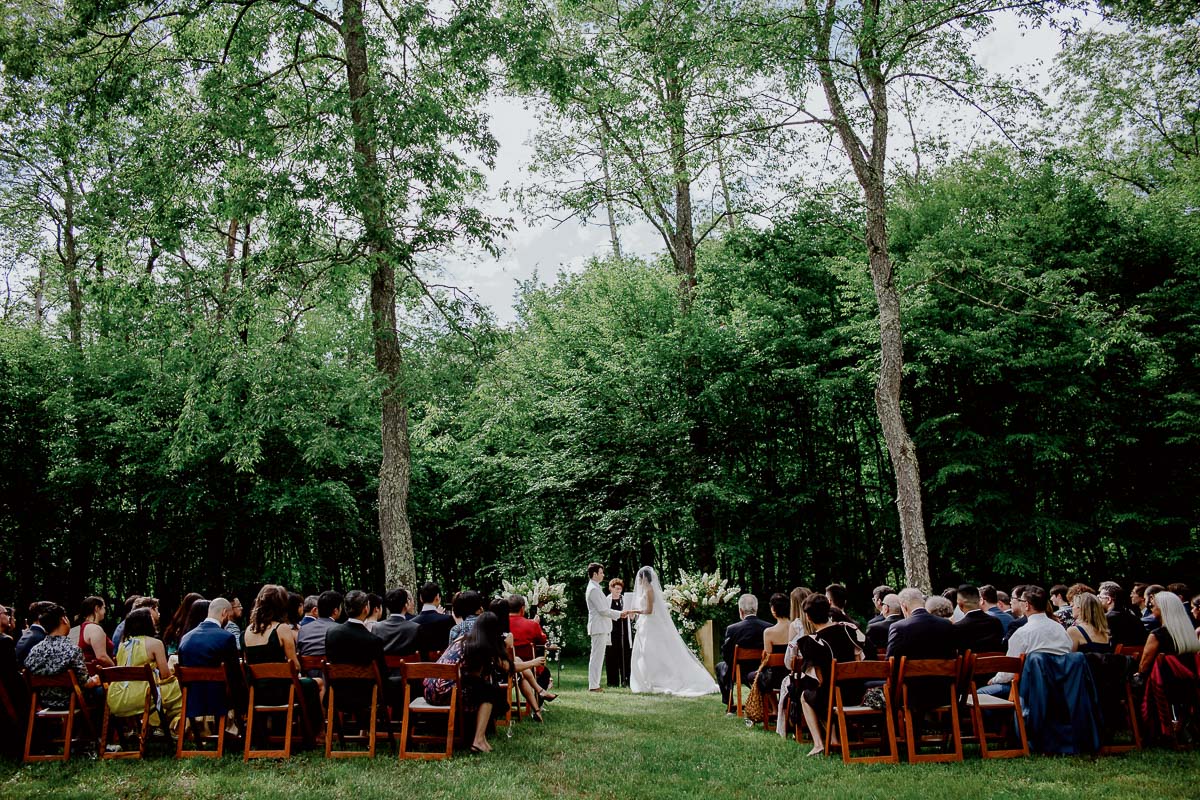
227 354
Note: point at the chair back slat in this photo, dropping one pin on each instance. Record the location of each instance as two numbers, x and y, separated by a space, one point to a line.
187 675
63 680
861 671
351 672
433 655
775 660
741 654
266 672
1134 652
310 663
121 674
985 665
424 669
929 668
394 662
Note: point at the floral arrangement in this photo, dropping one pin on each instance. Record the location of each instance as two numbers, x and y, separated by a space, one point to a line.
699 597
550 600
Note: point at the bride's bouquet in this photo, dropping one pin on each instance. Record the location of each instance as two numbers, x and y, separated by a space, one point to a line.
698 598
550 600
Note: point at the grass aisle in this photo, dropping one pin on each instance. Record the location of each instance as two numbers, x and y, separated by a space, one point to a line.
615 745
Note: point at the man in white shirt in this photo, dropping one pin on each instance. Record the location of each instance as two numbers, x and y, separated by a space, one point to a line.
1040 634
600 620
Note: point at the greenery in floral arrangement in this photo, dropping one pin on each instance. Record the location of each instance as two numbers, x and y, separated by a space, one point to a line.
549 600
699 597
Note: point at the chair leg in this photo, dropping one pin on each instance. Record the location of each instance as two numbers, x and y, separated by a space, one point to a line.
70 728
249 725
329 714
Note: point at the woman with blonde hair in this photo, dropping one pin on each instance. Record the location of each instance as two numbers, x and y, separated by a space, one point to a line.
1090 633
1175 634
798 596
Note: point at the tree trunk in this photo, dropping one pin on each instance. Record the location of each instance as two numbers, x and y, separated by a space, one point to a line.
70 258
608 198
685 235
395 470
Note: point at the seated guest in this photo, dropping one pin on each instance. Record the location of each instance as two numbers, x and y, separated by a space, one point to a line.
120 629
1137 599
1181 591
1089 633
775 640
11 730
814 653
87 633
877 596
467 608
268 639
374 610
198 614
920 635
140 646
210 645
1195 606
174 630
837 596
55 654
1060 604
481 653
520 668
1019 608
528 635
310 641
951 594
939 606
34 633
747 634
977 631
435 624
1124 624
989 600
295 610
1174 634
1040 634
310 610
352 643
798 596
398 634
235 614
877 632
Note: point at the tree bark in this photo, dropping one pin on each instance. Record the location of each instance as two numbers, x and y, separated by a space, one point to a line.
685 235
869 162
70 259
395 534
608 198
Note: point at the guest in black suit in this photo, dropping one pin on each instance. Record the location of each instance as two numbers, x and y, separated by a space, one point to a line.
352 643
920 636
1124 625
877 597
11 730
890 613
748 634
34 633
435 625
398 634
977 631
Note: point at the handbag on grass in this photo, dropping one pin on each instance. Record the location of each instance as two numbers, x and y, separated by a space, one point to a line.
754 704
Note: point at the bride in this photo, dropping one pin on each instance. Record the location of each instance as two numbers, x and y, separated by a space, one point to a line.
661 662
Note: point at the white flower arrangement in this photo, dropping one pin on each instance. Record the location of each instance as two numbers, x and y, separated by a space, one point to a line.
698 598
550 599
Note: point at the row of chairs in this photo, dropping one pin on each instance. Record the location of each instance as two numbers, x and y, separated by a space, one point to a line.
75 723
900 722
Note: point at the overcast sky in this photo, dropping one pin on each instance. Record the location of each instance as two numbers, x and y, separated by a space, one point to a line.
542 249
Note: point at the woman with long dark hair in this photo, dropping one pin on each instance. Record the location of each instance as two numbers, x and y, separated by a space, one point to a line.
173 633
96 646
522 671
270 639
480 653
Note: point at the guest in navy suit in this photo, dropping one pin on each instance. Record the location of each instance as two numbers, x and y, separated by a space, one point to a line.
34 633
210 645
352 643
435 625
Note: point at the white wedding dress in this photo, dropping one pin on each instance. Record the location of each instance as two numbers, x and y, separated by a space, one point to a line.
661 662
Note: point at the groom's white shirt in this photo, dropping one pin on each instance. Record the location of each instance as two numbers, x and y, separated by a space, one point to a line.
600 611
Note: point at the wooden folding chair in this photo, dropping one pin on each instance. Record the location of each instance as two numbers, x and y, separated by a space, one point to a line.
145 675
978 704
742 655
276 672
312 664
420 706
77 705
341 674
1128 706
950 670
841 673
431 656
189 677
771 700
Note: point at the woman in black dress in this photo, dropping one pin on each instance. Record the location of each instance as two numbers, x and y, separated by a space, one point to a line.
484 655
814 654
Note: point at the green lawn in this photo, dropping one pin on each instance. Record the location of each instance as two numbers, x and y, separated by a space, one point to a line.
616 745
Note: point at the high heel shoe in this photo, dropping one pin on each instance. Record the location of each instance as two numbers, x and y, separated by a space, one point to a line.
547 697
536 716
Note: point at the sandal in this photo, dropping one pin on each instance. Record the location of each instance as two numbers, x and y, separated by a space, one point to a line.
547 697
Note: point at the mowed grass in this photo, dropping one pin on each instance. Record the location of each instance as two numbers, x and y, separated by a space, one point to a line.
615 745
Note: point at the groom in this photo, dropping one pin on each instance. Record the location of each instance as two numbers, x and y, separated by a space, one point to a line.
600 620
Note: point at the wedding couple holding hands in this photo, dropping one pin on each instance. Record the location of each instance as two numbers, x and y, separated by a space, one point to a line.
661 662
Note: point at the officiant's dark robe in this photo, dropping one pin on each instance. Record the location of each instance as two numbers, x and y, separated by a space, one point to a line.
620 649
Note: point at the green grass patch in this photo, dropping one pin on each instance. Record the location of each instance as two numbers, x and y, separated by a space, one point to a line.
614 745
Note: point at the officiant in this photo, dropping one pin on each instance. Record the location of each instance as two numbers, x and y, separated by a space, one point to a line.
620 648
